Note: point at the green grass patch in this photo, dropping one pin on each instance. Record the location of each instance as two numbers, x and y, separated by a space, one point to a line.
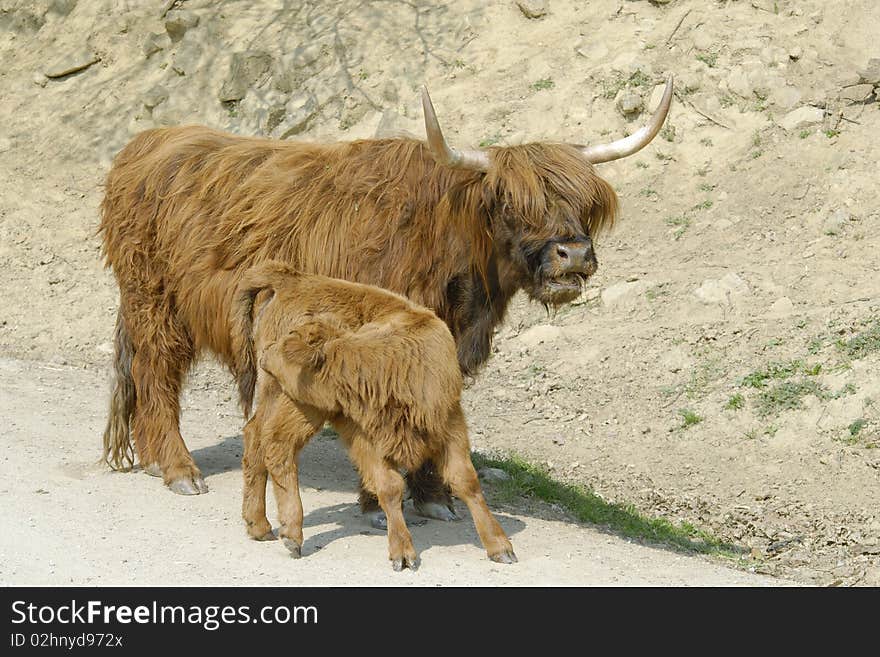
735 403
490 141
856 427
787 396
529 481
861 344
544 83
688 418
710 59
778 370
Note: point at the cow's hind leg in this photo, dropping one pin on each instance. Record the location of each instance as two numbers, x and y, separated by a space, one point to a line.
163 353
430 494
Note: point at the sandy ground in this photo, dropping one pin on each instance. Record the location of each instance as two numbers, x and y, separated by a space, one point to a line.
748 245
83 525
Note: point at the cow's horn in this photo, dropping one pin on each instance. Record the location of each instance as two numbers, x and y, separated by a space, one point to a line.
443 153
637 140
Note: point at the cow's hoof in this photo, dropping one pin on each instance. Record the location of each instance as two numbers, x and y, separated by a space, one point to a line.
153 470
188 486
436 510
294 547
377 520
268 536
411 562
504 557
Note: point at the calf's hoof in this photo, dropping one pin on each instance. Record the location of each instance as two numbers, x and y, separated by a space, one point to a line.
189 486
405 561
294 547
153 470
436 510
506 556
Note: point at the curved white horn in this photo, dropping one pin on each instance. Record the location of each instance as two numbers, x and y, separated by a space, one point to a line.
477 160
637 140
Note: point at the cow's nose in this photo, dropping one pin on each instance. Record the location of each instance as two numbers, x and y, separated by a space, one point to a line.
574 257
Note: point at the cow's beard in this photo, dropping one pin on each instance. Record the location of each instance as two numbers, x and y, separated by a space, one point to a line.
554 290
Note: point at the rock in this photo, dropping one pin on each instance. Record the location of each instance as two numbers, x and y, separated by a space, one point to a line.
187 58
782 307
785 97
156 42
62 7
802 117
155 97
738 82
857 93
299 110
493 475
835 221
721 291
39 79
532 8
629 103
536 335
246 69
72 63
177 22
295 67
870 73
625 290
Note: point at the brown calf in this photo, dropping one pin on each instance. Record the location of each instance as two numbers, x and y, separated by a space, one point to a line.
382 370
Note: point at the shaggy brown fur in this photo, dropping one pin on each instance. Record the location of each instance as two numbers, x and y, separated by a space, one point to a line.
380 369
187 210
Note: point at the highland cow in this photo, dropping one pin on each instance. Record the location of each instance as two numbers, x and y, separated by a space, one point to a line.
382 370
187 210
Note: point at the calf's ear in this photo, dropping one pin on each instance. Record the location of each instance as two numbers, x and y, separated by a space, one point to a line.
303 348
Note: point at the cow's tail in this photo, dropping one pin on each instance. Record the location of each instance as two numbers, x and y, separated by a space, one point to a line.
118 453
261 277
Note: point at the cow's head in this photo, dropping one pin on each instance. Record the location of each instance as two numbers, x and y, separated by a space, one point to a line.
545 203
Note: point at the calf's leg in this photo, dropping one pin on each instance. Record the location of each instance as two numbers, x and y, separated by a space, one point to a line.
285 434
458 471
253 467
388 486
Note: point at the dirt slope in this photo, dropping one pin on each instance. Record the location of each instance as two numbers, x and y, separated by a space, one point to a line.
722 368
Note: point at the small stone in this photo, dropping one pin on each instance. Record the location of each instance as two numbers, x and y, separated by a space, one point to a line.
802 117
629 103
178 22
536 335
245 70
624 291
39 79
721 291
532 9
493 475
795 53
835 221
857 93
298 111
870 73
155 97
72 63
156 42
782 307
738 82
785 97
187 58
